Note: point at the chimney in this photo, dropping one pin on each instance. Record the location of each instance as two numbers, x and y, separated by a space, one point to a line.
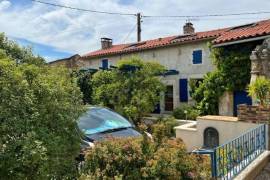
188 28
106 43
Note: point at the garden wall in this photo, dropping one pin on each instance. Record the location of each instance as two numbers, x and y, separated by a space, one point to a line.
254 114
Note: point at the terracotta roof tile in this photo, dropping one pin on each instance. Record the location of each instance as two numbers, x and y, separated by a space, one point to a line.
219 36
260 28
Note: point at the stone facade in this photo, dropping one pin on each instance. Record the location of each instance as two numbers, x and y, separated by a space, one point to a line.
255 114
72 62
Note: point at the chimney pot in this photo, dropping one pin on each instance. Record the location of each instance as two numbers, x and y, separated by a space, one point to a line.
188 28
106 43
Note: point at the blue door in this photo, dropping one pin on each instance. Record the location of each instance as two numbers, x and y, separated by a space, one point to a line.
183 90
240 97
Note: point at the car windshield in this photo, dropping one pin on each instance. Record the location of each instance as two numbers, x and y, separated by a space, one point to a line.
96 120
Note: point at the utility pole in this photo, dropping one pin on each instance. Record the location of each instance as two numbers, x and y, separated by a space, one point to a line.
139 30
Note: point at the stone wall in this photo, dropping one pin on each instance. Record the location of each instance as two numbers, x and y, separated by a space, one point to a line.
254 114
72 62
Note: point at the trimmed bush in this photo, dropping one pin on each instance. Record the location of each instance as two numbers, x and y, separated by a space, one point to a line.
191 113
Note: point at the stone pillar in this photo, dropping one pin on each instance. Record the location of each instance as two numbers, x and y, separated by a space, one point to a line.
260 62
225 106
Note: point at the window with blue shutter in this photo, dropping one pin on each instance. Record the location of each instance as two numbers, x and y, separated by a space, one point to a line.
183 90
197 57
105 64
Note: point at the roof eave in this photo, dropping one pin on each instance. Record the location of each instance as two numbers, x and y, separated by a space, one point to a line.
150 48
241 41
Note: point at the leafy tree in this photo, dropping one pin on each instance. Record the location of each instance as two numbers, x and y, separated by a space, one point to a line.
39 108
133 89
19 54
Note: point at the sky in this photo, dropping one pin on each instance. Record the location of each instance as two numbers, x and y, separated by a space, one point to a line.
56 33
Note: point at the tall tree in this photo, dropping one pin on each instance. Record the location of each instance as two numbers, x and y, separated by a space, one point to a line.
18 53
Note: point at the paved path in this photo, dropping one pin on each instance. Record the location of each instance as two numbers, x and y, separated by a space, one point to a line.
265 174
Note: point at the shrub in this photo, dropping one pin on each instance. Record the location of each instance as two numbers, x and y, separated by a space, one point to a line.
128 159
39 108
164 128
85 84
162 157
260 89
191 113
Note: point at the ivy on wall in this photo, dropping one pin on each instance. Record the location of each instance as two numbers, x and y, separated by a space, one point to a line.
232 73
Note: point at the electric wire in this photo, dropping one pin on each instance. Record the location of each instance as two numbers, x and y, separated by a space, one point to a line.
151 16
129 33
81 9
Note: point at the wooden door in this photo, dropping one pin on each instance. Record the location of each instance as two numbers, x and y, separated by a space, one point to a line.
169 98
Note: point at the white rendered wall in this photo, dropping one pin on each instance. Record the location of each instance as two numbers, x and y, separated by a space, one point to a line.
176 57
228 130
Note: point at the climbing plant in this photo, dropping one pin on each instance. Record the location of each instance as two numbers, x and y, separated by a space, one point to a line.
232 73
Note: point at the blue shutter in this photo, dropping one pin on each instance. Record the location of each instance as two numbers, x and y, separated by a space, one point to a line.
183 90
105 64
197 57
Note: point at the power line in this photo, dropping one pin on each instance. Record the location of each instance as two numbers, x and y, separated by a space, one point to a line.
129 33
202 19
152 16
85 10
206 15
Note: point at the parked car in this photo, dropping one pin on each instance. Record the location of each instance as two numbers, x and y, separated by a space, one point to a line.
99 123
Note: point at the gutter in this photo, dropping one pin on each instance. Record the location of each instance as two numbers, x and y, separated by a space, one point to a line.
241 41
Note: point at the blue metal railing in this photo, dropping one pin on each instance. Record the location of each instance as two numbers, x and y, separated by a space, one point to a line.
232 157
229 159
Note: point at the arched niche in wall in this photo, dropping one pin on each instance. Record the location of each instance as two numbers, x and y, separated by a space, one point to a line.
210 138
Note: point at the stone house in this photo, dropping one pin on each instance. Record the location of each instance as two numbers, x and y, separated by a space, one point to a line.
70 62
187 53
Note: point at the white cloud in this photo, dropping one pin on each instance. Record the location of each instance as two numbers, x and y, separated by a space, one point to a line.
4 5
80 32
